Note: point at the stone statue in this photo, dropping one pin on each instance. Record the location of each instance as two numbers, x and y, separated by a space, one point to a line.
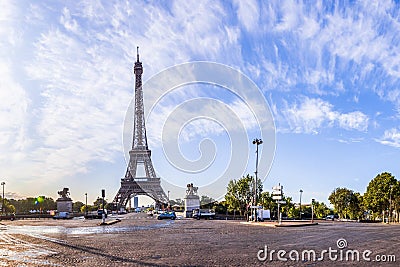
192 200
64 202
64 193
191 190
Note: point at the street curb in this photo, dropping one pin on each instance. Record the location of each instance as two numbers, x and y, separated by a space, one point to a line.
279 225
110 222
295 225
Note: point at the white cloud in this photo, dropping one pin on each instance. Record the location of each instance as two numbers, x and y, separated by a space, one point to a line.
354 121
69 23
90 83
85 96
391 137
289 17
13 114
326 44
210 117
311 115
8 15
248 14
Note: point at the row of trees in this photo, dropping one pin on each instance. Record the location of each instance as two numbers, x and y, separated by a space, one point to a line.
382 198
43 204
240 195
29 204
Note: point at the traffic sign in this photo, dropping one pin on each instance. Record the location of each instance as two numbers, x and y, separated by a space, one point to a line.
276 197
281 202
256 207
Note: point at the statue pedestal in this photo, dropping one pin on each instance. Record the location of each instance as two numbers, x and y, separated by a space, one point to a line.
191 202
64 205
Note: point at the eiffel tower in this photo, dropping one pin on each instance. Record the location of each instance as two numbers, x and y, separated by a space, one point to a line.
139 155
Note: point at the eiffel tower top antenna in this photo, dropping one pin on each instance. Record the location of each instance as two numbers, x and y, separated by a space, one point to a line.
137 53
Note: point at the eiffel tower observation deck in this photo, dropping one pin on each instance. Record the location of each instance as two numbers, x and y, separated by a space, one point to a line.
139 156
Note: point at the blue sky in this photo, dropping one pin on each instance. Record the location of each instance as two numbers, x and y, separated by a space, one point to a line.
328 71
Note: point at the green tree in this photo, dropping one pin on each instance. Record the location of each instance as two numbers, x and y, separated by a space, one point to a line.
99 203
396 201
76 206
220 207
40 203
206 201
8 207
378 193
356 206
240 194
48 204
288 208
89 208
344 201
267 202
321 210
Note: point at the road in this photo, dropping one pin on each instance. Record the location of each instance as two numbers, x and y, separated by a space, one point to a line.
139 240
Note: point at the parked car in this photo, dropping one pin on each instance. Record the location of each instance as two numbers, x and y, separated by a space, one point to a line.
7 217
167 215
330 218
203 213
63 215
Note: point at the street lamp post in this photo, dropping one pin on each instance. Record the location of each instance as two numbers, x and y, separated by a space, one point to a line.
103 194
301 192
256 142
169 203
2 207
312 210
86 204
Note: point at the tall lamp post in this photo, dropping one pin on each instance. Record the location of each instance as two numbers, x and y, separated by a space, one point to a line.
2 207
256 142
312 210
169 202
86 204
301 192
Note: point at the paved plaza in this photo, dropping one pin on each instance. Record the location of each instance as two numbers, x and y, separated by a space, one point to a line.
139 240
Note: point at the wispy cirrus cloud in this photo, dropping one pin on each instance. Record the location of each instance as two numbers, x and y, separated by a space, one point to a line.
336 45
248 14
82 64
311 115
391 137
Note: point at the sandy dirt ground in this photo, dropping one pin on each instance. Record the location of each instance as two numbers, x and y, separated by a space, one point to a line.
139 240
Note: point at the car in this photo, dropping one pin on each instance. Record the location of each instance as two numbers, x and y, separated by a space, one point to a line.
203 213
10 217
63 215
167 215
330 217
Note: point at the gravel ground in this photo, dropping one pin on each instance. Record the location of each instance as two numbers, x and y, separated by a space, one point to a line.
139 240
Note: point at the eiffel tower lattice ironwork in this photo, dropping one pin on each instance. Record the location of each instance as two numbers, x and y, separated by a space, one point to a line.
139 155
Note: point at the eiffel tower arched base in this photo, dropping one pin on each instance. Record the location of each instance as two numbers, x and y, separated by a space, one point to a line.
140 186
